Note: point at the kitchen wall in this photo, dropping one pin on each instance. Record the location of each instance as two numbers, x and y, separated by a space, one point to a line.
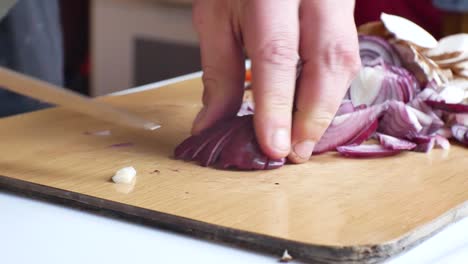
135 42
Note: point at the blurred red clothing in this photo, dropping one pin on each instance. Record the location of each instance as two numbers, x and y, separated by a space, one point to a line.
422 12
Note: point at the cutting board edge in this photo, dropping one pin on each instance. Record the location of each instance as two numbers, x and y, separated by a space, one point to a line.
234 237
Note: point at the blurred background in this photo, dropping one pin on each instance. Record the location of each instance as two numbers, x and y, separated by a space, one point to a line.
111 45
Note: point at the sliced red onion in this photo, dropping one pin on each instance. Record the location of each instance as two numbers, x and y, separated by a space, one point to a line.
366 151
428 94
355 127
462 119
394 143
460 133
430 122
425 143
399 121
410 59
372 48
382 83
452 108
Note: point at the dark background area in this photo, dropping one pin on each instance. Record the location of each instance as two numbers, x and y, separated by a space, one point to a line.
76 29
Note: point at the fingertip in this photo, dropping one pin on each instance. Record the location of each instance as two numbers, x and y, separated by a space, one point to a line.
275 142
280 141
301 151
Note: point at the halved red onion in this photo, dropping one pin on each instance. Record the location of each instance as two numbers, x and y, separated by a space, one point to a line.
460 133
228 144
243 152
366 151
394 143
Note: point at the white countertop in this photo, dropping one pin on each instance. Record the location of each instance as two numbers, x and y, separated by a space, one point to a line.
33 231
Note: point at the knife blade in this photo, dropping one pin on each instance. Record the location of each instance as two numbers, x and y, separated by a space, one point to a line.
37 89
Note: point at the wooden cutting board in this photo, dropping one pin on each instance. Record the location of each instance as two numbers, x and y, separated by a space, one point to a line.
331 209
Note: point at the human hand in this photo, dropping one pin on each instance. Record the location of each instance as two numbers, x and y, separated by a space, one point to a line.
275 35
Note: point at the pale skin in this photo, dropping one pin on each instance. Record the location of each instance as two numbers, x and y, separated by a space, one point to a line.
276 34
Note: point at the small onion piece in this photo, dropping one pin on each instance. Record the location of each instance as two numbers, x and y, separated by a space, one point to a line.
125 175
366 151
247 108
394 143
442 142
460 133
425 143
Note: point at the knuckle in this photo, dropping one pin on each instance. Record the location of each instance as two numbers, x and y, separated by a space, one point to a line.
276 101
282 52
209 72
323 120
209 82
341 56
316 121
198 17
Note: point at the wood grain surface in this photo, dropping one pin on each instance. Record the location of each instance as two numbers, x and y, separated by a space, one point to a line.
330 209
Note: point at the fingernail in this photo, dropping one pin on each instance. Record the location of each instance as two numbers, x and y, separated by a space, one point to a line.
281 139
304 149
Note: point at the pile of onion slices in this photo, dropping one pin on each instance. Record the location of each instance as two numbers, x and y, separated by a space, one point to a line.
411 94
